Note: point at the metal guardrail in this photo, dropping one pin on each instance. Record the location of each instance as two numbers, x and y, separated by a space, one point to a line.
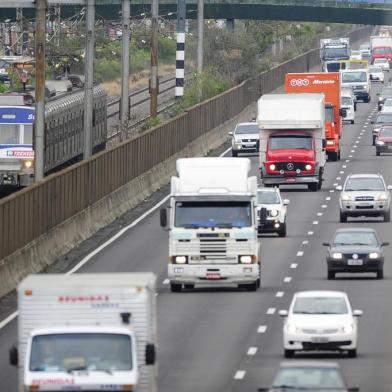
26 215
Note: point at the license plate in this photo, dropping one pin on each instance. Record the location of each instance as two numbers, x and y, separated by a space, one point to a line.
213 275
319 339
355 262
249 145
290 180
365 204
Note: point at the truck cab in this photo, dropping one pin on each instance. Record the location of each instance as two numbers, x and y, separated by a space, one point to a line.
359 81
212 224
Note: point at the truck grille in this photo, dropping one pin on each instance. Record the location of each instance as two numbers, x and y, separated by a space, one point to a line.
212 246
290 166
364 198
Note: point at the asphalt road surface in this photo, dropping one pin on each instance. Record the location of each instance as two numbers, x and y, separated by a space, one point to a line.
224 339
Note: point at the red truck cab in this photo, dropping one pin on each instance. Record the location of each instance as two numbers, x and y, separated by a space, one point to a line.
382 52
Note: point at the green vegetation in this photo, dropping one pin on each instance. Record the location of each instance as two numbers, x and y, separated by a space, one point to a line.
3 88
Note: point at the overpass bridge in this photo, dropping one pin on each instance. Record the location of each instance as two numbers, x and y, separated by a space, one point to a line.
352 12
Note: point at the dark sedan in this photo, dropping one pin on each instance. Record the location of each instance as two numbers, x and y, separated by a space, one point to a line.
355 250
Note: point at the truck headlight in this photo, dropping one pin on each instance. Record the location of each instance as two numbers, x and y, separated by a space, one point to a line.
180 259
272 166
308 167
330 142
274 213
374 255
380 143
246 259
337 256
27 164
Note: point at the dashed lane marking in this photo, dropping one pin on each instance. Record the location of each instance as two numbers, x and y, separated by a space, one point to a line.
319 214
293 265
300 253
279 294
252 351
338 178
310 232
315 222
324 206
262 329
344 166
166 281
271 310
287 279
239 375
305 242
328 198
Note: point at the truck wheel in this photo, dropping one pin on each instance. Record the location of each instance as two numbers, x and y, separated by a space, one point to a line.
352 353
234 153
352 121
288 353
374 141
249 286
387 216
189 286
343 217
378 153
331 275
380 274
282 231
175 288
313 187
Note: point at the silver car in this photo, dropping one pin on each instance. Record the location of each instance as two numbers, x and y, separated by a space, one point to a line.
364 195
245 138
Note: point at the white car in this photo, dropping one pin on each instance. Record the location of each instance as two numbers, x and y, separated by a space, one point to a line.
347 103
271 211
376 73
355 55
383 63
245 138
320 321
387 107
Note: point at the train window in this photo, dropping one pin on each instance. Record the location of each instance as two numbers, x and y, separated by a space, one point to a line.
27 134
94 116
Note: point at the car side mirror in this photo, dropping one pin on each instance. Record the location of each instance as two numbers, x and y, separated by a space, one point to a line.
163 217
384 243
357 313
325 243
343 113
283 313
150 354
339 188
389 187
286 202
13 356
231 133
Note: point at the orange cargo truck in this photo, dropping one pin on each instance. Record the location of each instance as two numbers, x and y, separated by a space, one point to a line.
329 84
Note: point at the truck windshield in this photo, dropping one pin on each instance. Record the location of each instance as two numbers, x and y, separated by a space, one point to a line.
383 50
335 53
350 77
246 129
205 214
347 101
329 114
287 142
81 351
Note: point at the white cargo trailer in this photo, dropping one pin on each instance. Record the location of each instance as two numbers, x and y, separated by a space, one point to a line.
86 332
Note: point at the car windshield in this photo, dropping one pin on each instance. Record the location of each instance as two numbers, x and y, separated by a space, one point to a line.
347 101
355 238
364 184
388 102
309 378
375 70
267 197
288 142
81 351
328 114
382 50
247 129
197 214
384 118
350 77
320 305
385 132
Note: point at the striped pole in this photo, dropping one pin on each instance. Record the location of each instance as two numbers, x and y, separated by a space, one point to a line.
180 53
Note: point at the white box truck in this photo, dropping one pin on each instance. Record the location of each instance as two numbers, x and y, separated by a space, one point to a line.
86 332
212 224
292 139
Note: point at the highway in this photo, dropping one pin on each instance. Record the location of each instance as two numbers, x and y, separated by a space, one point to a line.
223 339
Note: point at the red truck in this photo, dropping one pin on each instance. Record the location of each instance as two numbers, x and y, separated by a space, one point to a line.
327 83
381 47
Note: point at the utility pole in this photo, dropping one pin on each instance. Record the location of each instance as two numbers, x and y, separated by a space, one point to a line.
39 128
88 74
57 18
200 35
154 60
11 50
180 53
19 31
124 109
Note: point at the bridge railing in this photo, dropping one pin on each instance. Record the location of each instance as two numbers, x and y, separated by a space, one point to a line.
32 212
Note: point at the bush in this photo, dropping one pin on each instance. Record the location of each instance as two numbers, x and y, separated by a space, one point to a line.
167 49
106 69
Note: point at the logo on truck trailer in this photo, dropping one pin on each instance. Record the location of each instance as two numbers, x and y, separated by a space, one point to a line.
299 82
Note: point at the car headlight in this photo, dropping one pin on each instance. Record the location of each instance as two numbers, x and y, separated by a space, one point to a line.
274 213
246 259
308 167
28 164
374 255
346 329
380 143
291 328
346 198
337 256
272 166
382 198
180 259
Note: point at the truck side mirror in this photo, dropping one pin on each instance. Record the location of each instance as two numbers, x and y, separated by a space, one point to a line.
324 144
150 354
163 217
343 113
13 356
